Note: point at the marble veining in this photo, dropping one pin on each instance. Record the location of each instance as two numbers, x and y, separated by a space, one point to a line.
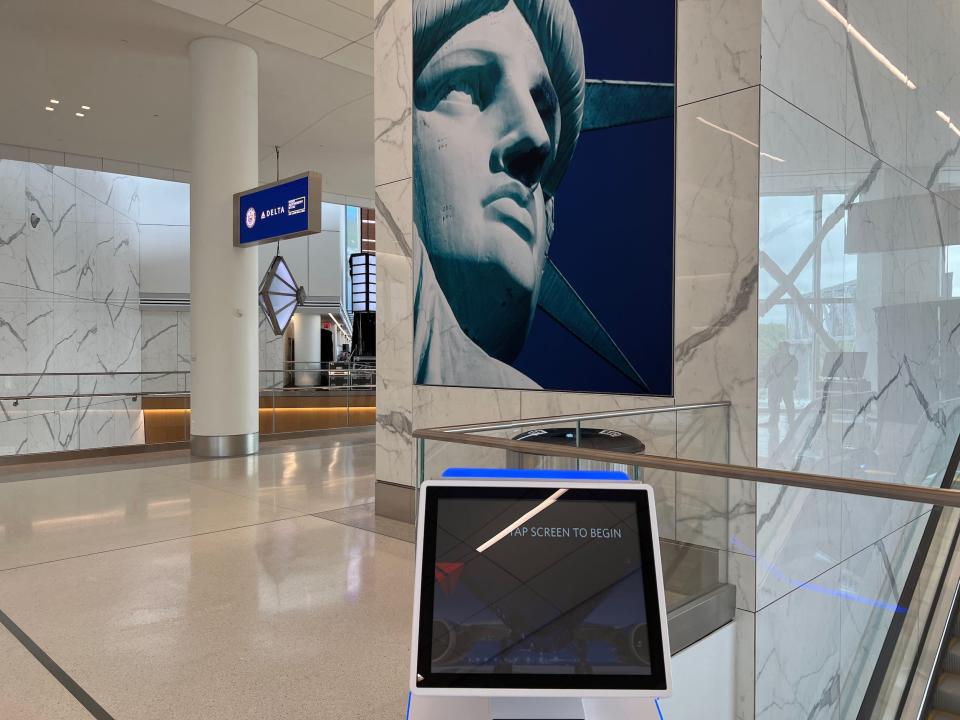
718 47
69 306
866 273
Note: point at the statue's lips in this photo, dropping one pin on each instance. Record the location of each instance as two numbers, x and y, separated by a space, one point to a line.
510 206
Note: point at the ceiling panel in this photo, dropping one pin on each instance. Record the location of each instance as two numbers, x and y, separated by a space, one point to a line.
356 57
326 15
367 41
364 7
337 147
128 60
218 11
283 30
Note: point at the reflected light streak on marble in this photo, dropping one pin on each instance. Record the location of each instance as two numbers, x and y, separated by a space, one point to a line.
56 518
741 138
858 36
308 481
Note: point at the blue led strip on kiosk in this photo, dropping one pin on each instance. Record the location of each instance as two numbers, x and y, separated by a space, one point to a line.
499 473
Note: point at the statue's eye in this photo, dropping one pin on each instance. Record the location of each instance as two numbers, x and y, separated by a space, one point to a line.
465 88
460 95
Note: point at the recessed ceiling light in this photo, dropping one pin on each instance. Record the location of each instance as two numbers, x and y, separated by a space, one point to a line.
48 108
79 114
54 101
84 107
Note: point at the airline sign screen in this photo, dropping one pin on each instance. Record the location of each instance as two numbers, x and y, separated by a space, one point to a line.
277 211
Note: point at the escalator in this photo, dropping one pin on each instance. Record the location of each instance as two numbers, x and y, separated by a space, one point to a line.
916 675
945 698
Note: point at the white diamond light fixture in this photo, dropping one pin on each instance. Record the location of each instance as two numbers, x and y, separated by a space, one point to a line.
280 295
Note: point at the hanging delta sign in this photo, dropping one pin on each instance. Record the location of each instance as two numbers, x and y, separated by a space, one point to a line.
277 211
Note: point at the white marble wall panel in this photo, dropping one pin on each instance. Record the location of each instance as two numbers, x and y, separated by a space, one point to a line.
393 90
71 291
444 406
804 56
395 447
271 353
899 421
539 403
13 199
798 653
870 586
932 148
394 205
39 190
158 350
877 101
742 573
183 351
13 336
895 427
396 454
745 659
718 47
13 257
98 427
716 301
810 60
13 436
798 531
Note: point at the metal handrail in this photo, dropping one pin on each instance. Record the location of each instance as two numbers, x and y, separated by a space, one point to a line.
869 488
108 373
556 419
134 394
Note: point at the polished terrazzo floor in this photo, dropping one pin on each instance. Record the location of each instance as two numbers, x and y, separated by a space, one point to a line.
162 587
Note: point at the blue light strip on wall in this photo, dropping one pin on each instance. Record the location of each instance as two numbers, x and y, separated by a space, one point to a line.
811 586
500 473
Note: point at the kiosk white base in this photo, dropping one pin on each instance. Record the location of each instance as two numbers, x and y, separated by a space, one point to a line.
427 707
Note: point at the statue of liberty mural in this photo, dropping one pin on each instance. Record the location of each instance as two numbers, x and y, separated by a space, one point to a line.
500 98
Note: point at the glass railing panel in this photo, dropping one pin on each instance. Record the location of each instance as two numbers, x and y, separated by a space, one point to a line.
435 457
690 509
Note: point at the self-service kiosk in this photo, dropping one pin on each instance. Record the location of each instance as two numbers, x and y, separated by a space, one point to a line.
538 598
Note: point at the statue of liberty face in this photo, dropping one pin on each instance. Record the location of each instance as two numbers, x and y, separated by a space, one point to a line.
486 127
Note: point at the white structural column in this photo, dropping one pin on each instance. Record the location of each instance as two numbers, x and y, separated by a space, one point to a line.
308 333
223 279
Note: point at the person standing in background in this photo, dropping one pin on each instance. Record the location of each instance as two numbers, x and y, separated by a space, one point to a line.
781 381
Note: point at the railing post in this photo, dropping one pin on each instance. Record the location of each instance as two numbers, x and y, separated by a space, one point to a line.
577 441
421 464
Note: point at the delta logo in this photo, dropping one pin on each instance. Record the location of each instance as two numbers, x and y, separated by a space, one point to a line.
273 212
447 575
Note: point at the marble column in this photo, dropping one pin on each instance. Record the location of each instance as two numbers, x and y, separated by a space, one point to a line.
223 279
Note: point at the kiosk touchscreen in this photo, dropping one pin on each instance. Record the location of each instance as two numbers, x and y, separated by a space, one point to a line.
539 589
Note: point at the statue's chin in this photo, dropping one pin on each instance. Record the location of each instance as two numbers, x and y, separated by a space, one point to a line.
491 305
